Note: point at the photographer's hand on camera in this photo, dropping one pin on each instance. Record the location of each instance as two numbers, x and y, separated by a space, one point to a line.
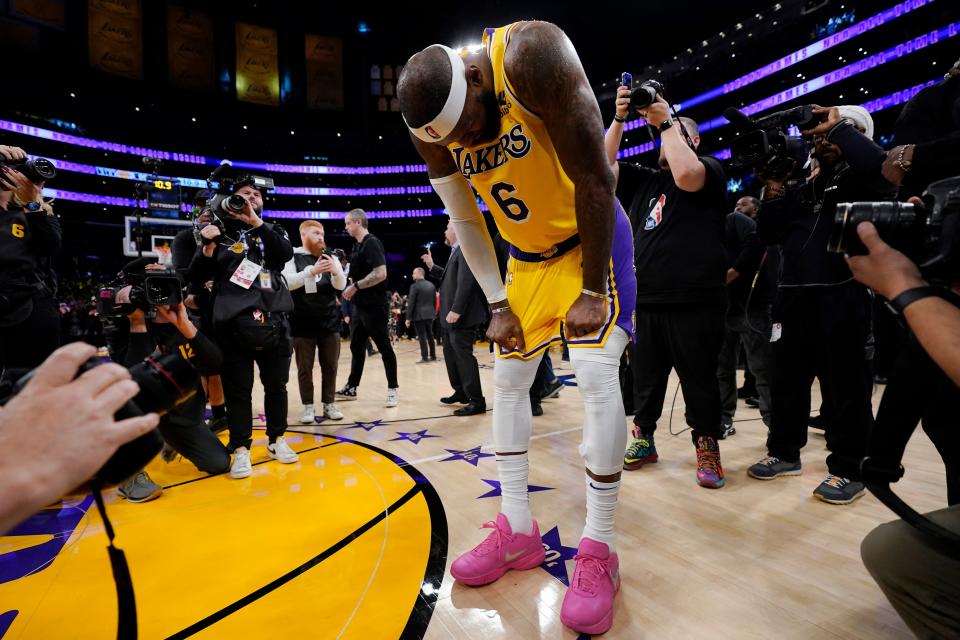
209 235
72 430
883 269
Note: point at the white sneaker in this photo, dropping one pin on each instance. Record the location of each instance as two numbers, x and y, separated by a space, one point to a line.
308 415
281 451
241 463
393 397
331 412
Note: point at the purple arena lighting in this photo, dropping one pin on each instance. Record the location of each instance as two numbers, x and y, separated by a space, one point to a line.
806 52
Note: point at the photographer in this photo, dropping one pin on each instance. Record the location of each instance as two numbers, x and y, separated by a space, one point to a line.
41 464
29 234
244 259
182 428
314 277
678 215
918 576
822 316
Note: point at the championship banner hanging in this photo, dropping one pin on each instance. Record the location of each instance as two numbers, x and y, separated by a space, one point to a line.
115 37
258 75
324 72
190 55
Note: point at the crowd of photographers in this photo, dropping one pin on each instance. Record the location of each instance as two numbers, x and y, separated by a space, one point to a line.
792 276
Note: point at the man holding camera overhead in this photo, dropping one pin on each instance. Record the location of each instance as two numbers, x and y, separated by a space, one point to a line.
29 231
244 256
821 316
678 214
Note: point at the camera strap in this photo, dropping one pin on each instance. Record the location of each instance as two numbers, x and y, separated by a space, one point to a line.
126 601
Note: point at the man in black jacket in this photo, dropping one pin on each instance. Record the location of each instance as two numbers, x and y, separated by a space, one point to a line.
749 297
314 277
462 309
421 311
250 308
678 213
29 232
822 315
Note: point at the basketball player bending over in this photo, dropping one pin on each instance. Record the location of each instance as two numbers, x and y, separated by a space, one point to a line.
518 119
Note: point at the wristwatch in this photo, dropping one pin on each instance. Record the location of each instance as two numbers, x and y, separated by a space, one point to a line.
32 206
666 124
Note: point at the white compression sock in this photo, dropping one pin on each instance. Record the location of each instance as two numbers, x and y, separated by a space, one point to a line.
601 507
511 434
515 504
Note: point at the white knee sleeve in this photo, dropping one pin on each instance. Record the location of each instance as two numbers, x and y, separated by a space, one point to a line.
604 424
512 418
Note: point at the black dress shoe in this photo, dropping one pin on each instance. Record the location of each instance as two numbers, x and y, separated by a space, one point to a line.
536 408
455 398
752 402
471 409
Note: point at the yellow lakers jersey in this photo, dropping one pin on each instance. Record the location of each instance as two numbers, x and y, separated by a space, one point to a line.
519 175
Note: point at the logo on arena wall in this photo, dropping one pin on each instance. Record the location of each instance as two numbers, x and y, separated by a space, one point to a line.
655 217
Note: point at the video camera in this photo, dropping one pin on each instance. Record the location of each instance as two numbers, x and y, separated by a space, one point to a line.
763 144
145 290
928 234
36 169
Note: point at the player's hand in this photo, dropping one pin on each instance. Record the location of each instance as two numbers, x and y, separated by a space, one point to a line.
505 330
884 269
586 315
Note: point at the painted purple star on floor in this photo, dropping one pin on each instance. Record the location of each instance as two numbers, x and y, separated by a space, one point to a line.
366 426
557 555
467 455
496 491
414 437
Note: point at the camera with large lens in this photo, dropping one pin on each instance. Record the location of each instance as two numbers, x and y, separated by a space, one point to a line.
645 94
36 170
145 290
927 233
764 144
165 381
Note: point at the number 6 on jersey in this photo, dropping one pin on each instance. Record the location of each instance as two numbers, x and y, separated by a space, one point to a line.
514 208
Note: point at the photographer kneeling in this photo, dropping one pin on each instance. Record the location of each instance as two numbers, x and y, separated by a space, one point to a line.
920 577
183 427
244 256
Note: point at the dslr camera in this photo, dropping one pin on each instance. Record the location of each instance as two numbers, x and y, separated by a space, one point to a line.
227 203
764 144
165 381
147 290
36 170
927 234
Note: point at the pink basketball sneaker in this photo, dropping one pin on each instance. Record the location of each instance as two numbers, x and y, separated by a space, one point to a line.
502 550
588 605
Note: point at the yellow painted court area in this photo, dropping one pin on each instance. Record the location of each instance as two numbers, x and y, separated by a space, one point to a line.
215 557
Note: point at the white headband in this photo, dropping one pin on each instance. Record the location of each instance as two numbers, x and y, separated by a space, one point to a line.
443 124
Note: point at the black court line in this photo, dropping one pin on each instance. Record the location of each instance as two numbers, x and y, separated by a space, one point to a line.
322 446
436 559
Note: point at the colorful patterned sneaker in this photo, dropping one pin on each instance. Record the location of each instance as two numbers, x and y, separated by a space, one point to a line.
837 490
641 451
588 606
770 468
709 469
502 550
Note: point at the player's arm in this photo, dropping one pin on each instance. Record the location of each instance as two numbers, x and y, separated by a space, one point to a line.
546 72
475 241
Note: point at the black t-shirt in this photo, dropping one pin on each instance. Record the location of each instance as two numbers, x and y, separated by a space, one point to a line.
365 257
678 236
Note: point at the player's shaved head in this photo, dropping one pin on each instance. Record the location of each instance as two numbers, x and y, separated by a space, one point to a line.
423 86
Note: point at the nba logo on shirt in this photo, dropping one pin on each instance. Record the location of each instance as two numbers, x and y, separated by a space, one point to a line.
656 214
